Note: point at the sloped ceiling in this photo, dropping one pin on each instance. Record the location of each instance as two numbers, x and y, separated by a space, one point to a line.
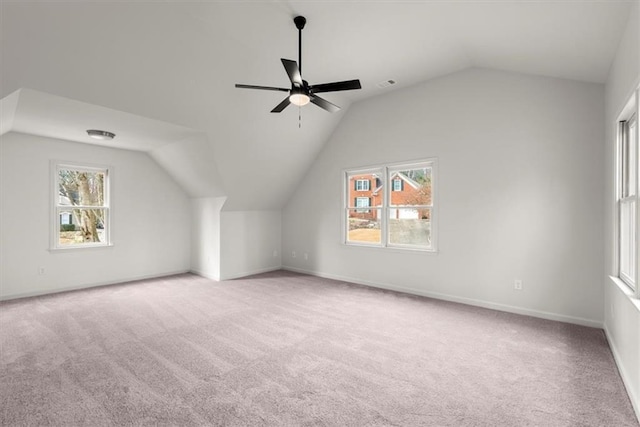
177 62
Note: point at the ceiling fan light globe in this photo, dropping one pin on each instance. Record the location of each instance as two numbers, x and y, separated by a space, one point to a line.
299 99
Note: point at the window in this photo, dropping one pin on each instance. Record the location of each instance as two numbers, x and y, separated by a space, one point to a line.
81 206
362 185
401 218
628 198
363 202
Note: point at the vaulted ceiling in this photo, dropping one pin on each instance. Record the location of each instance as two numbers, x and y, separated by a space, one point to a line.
165 72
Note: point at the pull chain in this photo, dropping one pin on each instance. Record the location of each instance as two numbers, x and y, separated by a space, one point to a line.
299 117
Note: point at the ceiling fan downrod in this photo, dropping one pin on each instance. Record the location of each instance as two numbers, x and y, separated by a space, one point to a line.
300 22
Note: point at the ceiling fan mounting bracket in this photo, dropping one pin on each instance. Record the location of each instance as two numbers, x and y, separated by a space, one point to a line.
300 22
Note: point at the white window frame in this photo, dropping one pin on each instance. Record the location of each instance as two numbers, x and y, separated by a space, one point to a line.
56 166
360 185
397 181
629 114
385 172
627 199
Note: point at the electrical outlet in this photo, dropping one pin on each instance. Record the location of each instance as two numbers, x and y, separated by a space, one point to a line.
275 254
306 256
40 271
517 285
293 254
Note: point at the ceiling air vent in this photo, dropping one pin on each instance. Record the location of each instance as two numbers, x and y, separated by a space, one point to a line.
386 83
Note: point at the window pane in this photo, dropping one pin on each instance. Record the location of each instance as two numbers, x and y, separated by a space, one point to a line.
363 227
624 159
80 188
627 240
632 161
633 157
81 226
410 227
364 190
411 187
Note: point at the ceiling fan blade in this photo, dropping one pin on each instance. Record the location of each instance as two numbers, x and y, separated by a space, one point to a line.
336 86
292 71
323 103
262 87
284 104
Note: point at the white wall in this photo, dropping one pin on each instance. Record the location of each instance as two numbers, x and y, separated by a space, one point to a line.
622 319
150 219
250 242
192 163
519 193
205 236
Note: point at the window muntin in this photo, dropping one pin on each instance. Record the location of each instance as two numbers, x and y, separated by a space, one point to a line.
628 201
401 218
81 206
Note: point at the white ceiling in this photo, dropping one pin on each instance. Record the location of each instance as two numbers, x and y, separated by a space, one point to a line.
42 114
177 62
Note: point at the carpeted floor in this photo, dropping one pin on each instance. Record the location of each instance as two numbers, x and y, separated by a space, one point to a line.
283 349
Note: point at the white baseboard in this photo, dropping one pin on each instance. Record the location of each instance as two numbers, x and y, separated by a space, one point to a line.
626 379
92 285
249 273
205 275
469 301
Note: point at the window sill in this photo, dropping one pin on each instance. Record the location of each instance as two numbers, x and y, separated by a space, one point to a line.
395 249
627 291
79 248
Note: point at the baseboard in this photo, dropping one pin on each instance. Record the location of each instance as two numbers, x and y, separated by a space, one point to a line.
92 285
205 275
249 273
626 379
452 298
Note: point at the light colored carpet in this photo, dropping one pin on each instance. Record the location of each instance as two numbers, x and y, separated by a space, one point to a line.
284 349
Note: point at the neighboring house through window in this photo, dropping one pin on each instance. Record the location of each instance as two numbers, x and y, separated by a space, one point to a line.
401 218
66 218
81 206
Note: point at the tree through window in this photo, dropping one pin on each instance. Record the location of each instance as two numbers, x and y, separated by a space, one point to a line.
82 206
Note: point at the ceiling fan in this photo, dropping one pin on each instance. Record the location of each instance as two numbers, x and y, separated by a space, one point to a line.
301 93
